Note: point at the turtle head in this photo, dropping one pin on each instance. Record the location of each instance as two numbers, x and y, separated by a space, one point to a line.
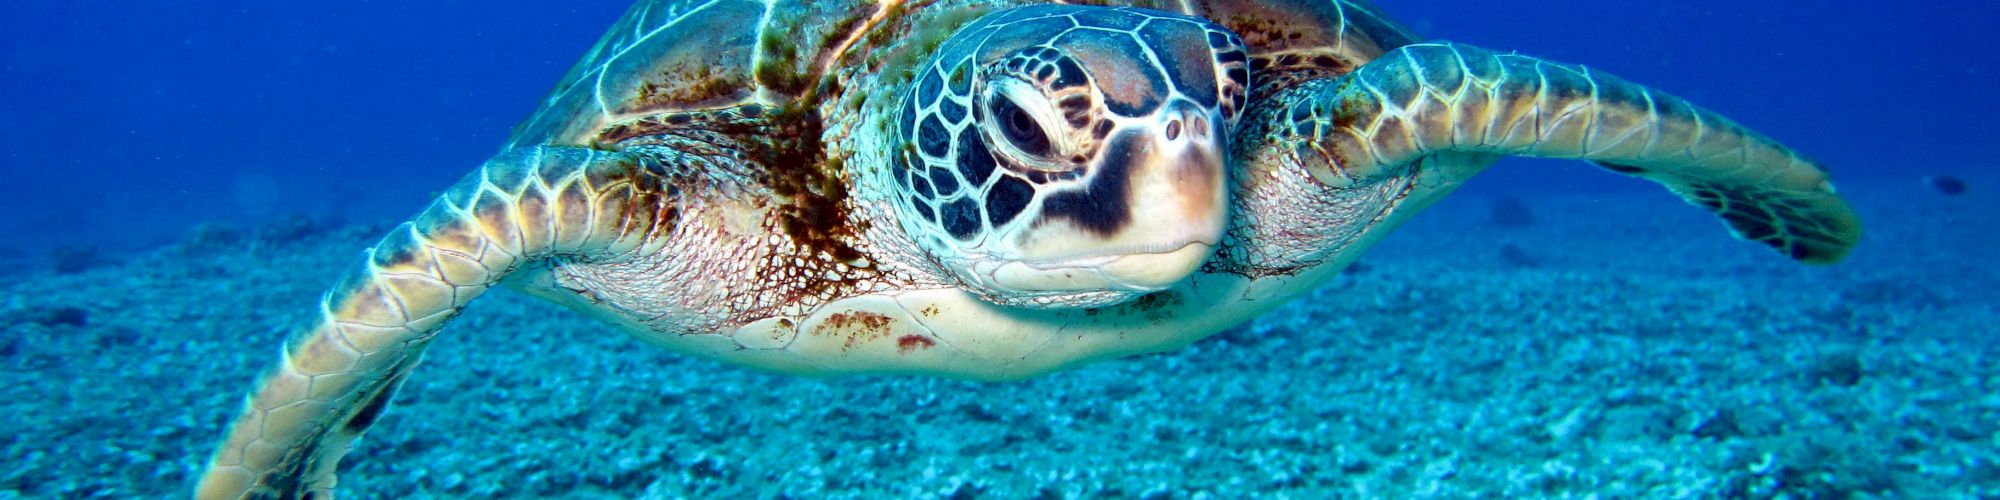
1064 156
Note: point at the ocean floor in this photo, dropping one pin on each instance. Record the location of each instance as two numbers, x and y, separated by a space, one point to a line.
1616 345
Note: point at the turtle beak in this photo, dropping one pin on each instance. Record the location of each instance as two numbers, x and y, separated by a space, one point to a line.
1180 200
1152 213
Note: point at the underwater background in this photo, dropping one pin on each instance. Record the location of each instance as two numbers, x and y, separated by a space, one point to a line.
184 179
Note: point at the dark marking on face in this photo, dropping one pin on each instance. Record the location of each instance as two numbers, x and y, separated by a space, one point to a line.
944 181
926 209
908 122
960 217
975 162
1068 74
1075 109
1101 207
1007 198
1132 86
951 110
1042 54
922 185
928 88
932 138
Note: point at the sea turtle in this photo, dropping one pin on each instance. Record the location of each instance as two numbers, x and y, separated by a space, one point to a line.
977 189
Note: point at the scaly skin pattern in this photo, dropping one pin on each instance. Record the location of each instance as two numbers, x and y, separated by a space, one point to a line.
1425 98
718 178
335 378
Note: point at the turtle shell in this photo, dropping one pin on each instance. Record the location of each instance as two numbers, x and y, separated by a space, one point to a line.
1354 29
668 56
1296 40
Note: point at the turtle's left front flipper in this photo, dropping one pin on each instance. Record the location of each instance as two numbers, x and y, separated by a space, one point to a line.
335 377
1431 98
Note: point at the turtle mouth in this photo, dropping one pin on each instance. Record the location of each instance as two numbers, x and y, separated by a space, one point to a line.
1102 256
1143 270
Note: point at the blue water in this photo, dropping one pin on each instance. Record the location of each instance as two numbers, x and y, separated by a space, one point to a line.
130 123
132 120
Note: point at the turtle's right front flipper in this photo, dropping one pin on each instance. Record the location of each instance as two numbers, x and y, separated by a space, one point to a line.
334 378
1446 98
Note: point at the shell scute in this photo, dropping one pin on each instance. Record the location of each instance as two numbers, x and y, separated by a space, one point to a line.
680 56
1348 28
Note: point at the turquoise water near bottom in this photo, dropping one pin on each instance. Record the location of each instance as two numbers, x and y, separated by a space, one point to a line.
1617 344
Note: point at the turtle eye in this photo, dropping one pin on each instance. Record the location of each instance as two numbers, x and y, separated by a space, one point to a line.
1019 127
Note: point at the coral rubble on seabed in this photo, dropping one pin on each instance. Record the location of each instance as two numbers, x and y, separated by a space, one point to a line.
1645 354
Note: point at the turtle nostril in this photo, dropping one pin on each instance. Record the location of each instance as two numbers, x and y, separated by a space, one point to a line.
1199 127
1173 129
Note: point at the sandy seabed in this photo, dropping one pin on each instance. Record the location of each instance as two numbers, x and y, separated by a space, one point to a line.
1621 345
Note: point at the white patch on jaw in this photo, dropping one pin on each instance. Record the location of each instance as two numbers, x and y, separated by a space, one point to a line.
1021 277
1176 208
